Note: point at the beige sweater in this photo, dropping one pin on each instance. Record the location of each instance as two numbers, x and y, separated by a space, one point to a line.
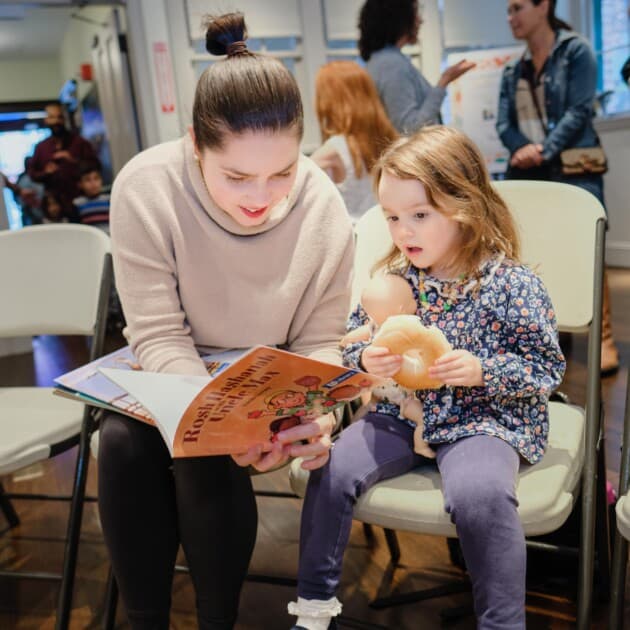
188 275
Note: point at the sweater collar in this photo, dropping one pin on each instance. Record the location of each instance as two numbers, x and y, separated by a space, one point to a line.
278 213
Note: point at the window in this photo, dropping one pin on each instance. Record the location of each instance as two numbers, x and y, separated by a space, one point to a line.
612 41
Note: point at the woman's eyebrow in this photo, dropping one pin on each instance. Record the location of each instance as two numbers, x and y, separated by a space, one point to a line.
235 171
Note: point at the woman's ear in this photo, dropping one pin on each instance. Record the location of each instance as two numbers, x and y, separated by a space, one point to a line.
191 132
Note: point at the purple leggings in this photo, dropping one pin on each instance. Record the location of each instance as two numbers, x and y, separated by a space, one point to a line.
478 479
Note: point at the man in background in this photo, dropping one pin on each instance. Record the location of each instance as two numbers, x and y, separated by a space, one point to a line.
56 159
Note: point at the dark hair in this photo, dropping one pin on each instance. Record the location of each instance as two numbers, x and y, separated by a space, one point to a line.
384 22
245 92
555 22
89 166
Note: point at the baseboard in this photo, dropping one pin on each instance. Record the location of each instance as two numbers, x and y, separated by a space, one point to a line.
618 254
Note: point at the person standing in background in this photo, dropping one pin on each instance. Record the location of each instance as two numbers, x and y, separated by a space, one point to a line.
546 106
410 101
56 159
355 129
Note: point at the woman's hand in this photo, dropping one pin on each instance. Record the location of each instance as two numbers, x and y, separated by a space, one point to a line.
528 156
454 72
316 431
458 367
380 361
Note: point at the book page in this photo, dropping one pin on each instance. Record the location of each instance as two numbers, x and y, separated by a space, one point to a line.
166 396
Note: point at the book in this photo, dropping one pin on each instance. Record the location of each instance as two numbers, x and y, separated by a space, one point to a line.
89 386
246 399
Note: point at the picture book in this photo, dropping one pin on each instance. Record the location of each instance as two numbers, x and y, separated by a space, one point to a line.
246 400
87 385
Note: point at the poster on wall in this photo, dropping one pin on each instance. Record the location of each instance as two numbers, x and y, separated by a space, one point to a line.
474 99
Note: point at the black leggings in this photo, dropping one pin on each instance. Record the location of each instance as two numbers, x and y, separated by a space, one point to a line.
150 503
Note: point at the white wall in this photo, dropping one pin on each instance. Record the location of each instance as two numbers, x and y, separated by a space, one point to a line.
30 80
615 136
76 47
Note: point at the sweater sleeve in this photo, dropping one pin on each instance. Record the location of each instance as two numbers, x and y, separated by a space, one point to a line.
146 277
319 336
319 321
406 111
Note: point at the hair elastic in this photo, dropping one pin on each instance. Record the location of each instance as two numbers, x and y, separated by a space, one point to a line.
236 48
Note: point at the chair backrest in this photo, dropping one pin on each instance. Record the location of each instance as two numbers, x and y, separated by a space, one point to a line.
557 227
50 279
557 224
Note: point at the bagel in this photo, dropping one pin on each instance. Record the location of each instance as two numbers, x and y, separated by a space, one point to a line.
418 345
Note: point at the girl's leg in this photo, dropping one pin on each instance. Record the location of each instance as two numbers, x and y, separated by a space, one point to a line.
136 498
479 478
374 448
217 520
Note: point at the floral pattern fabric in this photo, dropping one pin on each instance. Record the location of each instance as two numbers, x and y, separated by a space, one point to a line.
507 321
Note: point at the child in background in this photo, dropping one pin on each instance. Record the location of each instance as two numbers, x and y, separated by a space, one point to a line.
52 210
355 129
92 207
456 244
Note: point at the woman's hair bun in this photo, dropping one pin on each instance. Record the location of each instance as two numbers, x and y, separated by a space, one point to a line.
223 31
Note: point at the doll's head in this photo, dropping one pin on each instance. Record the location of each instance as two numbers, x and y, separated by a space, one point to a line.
387 294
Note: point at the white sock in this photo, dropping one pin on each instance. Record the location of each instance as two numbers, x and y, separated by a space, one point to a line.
315 614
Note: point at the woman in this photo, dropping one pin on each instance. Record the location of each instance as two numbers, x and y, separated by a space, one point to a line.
410 101
227 238
355 130
546 106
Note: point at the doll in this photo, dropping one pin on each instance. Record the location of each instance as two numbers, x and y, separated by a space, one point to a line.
386 295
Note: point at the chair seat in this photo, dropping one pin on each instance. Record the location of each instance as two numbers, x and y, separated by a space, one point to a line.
414 502
33 420
623 515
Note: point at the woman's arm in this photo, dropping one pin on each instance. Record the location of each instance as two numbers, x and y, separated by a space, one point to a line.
582 81
327 158
146 277
396 88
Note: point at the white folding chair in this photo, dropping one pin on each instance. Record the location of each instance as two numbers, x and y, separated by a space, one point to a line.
622 535
562 229
54 280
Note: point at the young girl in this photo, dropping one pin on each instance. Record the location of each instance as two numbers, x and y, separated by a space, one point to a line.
456 244
355 130
225 238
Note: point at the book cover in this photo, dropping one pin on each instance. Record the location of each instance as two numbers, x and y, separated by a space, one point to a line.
87 385
247 399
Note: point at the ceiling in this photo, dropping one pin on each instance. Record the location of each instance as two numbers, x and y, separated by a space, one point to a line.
36 29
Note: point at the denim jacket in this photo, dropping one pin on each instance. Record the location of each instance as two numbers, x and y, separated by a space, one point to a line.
570 82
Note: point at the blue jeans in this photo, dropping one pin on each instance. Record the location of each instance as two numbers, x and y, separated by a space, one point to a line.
478 478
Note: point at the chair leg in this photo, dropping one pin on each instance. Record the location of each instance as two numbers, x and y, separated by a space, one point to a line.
8 510
602 527
111 602
64 606
392 545
618 582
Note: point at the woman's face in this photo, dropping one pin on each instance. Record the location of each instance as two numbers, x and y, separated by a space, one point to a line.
251 173
525 18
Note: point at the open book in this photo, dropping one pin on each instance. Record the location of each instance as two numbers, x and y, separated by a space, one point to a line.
246 399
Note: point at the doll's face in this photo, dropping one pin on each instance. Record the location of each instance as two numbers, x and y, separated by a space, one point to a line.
251 173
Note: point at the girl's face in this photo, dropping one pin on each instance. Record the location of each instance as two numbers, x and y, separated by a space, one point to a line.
427 237
251 173
525 18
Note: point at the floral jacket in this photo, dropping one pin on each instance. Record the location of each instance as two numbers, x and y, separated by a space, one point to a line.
507 320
